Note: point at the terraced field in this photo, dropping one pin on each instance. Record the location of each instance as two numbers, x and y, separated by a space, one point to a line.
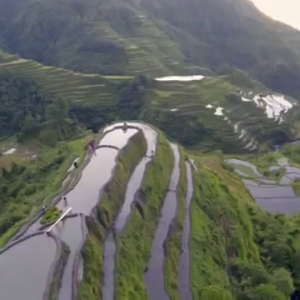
80 89
154 55
235 121
137 239
134 176
220 106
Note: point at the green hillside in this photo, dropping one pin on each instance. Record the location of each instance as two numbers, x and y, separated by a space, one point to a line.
187 111
95 100
88 37
61 83
156 37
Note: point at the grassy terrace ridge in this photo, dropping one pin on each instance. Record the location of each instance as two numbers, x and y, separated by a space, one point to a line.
134 244
83 89
222 231
111 201
173 245
115 191
90 288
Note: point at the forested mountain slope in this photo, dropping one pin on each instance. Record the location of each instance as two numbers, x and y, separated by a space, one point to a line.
155 37
234 32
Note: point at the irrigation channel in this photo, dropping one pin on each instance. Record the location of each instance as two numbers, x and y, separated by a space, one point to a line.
272 196
27 264
154 276
120 222
184 264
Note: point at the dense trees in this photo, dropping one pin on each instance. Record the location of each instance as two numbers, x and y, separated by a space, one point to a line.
22 105
27 112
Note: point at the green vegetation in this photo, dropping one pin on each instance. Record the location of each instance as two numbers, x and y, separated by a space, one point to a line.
90 288
296 187
29 114
35 109
91 101
292 153
50 216
22 105
194 124
113 40
278 240
238 251
264 161
80 89
246 170
35 183
151 37
173 245
133 256
114 194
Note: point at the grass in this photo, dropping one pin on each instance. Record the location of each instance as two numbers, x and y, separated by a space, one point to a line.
173 245
51 215
134 244
23 153
222 231
115 191
78 88
91 286
265 161
246 170
45 188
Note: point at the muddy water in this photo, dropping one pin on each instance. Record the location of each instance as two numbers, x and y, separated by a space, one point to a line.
154 276
120 222
85 196
24 268
287 206
82 199
273 197
150 134
70 232
117 138
184 264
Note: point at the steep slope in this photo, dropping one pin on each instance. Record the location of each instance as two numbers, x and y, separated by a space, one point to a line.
105 38
225 112
237 250
230 113
155 37
235 33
